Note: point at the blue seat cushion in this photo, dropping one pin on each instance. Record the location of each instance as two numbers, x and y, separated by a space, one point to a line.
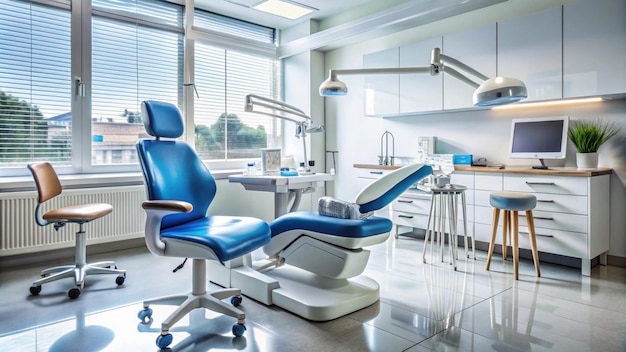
516 201
228 236
313 221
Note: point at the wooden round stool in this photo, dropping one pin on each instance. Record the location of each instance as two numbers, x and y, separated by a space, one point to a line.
512 203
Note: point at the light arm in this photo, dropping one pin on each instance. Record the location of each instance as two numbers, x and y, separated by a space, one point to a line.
294 115
494 91
271 104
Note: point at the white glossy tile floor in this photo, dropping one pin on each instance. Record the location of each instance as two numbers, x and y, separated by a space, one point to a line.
423 307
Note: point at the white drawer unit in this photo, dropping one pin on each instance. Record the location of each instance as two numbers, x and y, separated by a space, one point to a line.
410 210
571 216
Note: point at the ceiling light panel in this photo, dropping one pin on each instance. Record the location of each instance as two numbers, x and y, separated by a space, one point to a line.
287 9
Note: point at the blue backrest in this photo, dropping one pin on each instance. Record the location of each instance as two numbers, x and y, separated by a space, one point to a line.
387 188
172 170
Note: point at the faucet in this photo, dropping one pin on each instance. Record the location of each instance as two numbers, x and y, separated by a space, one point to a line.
385 159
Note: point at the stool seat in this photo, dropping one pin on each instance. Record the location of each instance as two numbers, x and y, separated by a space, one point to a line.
512 201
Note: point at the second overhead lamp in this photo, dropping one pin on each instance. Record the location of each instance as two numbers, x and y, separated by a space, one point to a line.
491 92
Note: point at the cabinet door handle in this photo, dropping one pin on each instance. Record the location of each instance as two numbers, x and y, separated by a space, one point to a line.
540 183
405 216
537 217
545 201
404 201
536 234
376 172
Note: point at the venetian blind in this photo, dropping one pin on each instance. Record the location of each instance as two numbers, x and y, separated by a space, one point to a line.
35 84
223 77
137 55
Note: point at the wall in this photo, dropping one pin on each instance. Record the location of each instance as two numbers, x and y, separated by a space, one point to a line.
484 133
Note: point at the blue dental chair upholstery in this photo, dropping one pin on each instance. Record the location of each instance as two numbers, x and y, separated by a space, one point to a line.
329 251
180 189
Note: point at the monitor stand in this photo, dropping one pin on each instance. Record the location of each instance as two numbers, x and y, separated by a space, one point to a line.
543 166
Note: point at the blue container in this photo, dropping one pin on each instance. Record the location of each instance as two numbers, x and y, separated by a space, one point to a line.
462 159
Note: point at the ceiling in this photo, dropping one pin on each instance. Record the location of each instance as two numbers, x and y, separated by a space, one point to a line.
242 9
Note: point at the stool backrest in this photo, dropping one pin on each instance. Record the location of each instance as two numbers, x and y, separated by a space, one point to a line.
46 180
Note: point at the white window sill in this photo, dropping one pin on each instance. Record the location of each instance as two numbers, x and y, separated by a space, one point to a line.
26 183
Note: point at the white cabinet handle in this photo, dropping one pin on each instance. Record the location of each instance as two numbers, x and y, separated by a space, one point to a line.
404 201
405 216
540 183
545 201
376 172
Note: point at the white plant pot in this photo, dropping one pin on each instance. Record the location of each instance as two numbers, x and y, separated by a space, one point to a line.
587 160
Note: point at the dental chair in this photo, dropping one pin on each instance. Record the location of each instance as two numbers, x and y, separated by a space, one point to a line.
180 189
315 260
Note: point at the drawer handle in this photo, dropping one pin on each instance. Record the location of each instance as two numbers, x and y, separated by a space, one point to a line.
376 172
538 217
540 183
405 216
404 201
536 234
545 201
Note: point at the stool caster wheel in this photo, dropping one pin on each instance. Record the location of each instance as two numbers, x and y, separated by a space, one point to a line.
35 289
73 293
236 300
239 329
163 341
144 314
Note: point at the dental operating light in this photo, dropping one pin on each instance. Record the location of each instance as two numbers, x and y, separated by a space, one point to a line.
491 92
281 110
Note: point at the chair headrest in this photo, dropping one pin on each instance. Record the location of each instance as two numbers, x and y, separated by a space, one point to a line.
162 119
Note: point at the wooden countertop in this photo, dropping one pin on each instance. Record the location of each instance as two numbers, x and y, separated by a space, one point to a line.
553 171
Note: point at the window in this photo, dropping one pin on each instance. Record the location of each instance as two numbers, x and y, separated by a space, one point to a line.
223 76
35 84
130 63
74 97
223 129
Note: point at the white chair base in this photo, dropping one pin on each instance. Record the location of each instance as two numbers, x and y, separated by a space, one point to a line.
198 298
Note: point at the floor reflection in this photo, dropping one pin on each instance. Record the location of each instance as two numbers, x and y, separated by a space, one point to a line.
506 329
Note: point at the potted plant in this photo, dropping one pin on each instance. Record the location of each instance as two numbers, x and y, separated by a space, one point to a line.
587 137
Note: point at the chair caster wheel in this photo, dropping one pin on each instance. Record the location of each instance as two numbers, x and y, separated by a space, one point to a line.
236 300
144 314
239 329
120 280
73 293
35 289
163 341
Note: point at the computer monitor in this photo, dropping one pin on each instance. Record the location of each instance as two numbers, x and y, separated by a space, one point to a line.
539 138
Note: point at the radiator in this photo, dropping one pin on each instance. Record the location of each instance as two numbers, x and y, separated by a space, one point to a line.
20 234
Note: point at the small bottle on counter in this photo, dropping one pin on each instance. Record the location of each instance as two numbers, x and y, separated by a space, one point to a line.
249 169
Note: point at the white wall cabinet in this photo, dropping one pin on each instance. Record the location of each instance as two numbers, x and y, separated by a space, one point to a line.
382 90
420 91
594 48
530 49
476 48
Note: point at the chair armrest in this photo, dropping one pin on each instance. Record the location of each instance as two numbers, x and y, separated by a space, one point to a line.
172 205
155 211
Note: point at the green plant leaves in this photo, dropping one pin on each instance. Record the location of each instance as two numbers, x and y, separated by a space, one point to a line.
588 136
